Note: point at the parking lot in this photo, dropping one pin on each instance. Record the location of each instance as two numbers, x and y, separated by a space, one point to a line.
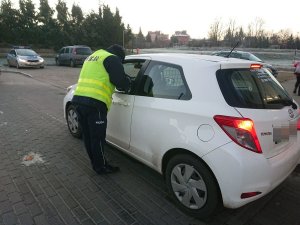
46 178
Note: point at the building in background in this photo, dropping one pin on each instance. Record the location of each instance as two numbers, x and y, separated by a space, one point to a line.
180 38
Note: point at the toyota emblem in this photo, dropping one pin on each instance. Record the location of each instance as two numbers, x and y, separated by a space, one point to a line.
291 113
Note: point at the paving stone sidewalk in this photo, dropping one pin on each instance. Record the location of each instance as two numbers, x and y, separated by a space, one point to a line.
61 189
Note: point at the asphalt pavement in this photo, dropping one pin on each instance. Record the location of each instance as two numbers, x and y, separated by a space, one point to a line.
46 178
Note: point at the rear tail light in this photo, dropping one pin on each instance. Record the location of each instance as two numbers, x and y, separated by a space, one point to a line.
255 66
298 123
241 131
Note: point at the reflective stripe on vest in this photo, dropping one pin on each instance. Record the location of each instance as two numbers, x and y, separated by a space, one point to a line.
94 80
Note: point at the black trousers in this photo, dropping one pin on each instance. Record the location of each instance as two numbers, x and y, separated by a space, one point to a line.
93 123
297 84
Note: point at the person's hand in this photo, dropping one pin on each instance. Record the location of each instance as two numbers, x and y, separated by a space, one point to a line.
131 83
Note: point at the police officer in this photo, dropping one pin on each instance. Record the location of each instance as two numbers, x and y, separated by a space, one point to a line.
100 74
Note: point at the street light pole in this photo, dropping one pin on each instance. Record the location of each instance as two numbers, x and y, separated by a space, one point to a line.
124 31
124 38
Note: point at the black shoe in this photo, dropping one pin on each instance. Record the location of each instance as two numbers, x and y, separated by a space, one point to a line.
294 91
107 169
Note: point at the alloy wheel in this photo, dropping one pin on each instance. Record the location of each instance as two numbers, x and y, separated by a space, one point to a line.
188 186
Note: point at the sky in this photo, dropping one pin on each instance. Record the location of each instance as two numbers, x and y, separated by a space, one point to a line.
196 16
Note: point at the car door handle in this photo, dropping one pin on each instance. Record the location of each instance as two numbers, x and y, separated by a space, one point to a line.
120 102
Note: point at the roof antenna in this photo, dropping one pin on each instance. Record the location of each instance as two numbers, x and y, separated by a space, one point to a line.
232 49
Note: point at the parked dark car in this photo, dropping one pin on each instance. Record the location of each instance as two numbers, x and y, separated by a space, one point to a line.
23 56
247 56
72 55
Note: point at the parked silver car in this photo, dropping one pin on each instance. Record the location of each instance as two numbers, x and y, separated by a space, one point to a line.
72 55
246 56
24 57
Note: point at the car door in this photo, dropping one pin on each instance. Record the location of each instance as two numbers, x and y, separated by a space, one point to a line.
162 87
60 56
119 116
11 58
65 56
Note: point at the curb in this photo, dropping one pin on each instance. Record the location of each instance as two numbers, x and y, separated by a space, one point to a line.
14 71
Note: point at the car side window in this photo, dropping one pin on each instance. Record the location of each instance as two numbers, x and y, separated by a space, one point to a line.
235 55
61 51
132 68
12 52
67 50
162 80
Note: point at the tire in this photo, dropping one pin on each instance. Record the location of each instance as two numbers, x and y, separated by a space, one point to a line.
72 121
72 63
192 186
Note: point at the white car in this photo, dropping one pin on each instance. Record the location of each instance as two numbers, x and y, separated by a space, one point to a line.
222 131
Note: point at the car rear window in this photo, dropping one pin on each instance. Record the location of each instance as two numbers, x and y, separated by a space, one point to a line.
258 89
83 51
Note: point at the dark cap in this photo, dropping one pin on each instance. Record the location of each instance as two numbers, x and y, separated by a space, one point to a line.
117 50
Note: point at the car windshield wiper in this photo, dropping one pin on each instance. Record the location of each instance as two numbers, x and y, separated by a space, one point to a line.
181 94
285 102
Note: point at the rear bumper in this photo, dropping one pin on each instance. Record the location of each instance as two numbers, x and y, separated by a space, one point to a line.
241 171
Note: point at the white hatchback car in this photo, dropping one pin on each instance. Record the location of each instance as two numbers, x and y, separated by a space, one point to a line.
220 130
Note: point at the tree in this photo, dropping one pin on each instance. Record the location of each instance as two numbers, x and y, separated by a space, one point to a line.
297 43
140 40
290 43
283 35
63 22
90 28
28 22
45 13
215 32
76 24
48 28
10 23
76 15
112 27
229 37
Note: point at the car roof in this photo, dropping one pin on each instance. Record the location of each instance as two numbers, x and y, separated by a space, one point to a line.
21 47
236 51
75 46
184 58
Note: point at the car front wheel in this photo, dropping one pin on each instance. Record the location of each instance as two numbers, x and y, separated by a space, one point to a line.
192 186
72 121
57 62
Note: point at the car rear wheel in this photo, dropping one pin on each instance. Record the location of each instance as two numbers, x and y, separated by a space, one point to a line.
72 63
72 121
192 186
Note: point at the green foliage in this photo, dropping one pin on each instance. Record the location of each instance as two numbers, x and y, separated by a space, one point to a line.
53 28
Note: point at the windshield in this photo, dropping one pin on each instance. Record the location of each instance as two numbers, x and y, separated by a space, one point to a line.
26 52
247 88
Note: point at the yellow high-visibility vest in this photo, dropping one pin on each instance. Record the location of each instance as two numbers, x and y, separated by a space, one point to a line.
94 80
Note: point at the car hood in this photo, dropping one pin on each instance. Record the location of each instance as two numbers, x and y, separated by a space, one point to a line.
30 57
